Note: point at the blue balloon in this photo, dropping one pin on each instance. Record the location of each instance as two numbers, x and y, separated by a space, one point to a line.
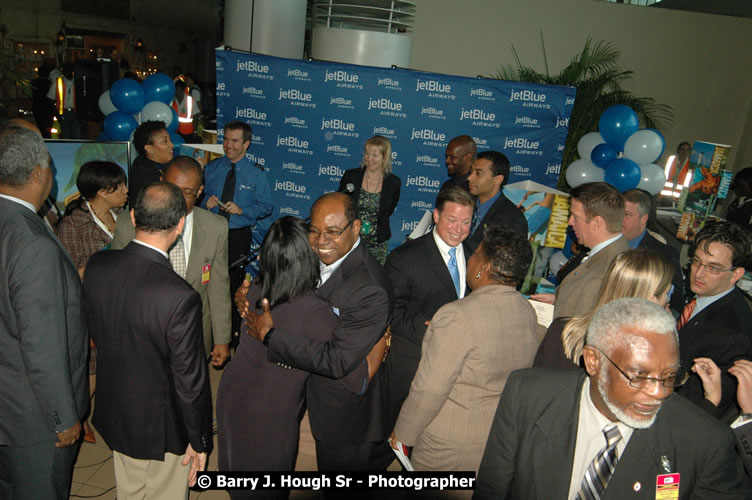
118 126
158 87
603 154
623 174
127 95
616 124
173 126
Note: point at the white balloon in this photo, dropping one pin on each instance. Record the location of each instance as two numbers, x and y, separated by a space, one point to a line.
587 143
652 178
582 171
643 147
156 110
105 103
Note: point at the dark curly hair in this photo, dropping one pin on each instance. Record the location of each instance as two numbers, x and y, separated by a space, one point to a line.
508 252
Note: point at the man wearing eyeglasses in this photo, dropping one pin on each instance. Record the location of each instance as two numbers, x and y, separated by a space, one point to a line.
347 422
617 432
717 324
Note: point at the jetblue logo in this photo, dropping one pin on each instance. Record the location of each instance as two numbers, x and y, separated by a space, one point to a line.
340 76
294 121
252 66
480 93
383 131
331 170
220 86
562 122
289 211
249 113
384 103
559 148
409 226
289 186
527 95
421 204
294 95
553 168
525 121
433 86
297 73
336 148
518 169
569 101
292 142
431 111
292 166
340 101
387 82
421 181
252 91
337 124
255 159
480 142
520 143
427 135
476 114
427 159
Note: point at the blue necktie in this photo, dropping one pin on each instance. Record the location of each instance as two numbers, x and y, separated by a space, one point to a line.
454 272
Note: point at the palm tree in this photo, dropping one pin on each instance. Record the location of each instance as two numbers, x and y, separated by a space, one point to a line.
600 84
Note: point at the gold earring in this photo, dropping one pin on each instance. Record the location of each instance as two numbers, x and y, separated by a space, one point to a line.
477 276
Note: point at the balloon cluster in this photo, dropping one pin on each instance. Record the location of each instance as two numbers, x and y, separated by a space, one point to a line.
621 153
129 103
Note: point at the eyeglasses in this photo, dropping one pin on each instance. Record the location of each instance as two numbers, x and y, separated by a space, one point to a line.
640 382
328 235
711 268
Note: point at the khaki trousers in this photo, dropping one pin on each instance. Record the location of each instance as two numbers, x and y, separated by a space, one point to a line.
138 479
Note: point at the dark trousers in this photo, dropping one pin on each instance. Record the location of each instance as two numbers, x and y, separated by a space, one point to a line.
36 471
70 127
239 244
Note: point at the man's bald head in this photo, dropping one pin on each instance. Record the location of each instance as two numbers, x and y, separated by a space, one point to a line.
460 155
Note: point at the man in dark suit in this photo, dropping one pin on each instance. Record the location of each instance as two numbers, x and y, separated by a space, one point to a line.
204 252
637 205
421 273
153 403
348 427
43 342
717 324
459 157
488 175
618 432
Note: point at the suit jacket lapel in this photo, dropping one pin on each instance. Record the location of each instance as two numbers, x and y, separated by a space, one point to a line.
193 266
551 452
437 265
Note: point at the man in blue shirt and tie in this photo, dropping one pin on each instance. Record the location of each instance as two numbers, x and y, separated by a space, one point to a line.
239 190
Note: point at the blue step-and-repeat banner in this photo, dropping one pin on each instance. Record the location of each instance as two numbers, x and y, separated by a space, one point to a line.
310 120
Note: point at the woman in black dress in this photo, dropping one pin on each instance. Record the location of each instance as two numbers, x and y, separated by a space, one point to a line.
259 403
375 191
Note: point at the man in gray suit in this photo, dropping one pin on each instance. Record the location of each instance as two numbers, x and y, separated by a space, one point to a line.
204 248
617 431
43 342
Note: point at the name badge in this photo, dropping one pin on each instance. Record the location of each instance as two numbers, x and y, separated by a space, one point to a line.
205 273
667 486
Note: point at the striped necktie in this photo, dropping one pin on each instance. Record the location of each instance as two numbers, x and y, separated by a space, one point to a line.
686 314
601 468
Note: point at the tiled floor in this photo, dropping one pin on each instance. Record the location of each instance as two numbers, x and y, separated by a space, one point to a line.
94 474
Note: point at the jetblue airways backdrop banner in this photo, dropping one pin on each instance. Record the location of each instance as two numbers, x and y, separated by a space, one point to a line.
310 120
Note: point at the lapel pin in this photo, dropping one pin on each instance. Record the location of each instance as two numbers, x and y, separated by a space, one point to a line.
637 486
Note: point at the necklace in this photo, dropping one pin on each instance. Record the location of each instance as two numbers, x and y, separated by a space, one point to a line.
110 225
377 188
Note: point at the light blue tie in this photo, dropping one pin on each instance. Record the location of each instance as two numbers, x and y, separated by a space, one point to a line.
454 272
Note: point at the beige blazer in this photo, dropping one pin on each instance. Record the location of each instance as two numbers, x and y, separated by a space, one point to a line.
578 293
469 350
208 248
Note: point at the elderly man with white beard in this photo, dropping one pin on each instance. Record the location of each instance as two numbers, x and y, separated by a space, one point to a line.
617 431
